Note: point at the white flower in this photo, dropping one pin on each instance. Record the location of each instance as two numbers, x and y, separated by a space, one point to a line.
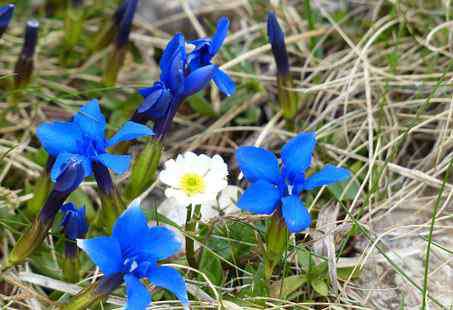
194 179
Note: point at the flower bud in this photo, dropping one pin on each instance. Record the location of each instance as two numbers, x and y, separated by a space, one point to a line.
6 14
24 65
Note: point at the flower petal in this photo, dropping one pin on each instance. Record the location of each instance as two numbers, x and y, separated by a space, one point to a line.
58 137
156 103
198 79
221 32
138 296
223 81
130 131
105 252
91 120
170 279
118 163
63 159
161 242
296 216
257 163
296 154
131 225
176 43
70 176
328 175
260 198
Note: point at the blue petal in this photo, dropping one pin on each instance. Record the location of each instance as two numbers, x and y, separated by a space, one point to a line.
221 32
296 154
63 159
171 280
138 296
257 163
156 103
198 79
118 163
153 243
224 82
174 79
105 252
130 131
261 198
328 175
91 120
58 137
175 44
131 225
296 216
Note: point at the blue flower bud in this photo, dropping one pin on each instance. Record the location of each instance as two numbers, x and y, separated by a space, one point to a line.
74 223
70 177
6 14
103 178
277 40
31 38
125 24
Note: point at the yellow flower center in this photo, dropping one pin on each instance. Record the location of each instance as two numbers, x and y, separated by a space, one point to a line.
192 184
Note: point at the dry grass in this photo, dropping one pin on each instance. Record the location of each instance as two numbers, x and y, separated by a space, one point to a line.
377 89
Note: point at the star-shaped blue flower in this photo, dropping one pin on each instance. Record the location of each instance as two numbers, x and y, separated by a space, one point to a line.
133 251
206 49
83 139
74 221
273 188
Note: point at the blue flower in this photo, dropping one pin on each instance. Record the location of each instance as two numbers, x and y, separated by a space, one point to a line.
272 187
277 40
176 84
133 251
6 14
206 49
74 221
83 139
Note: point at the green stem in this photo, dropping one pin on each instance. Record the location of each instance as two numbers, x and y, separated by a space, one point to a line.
276 243
191 225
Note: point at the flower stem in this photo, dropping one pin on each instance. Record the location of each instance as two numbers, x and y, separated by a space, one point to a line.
71 262
276 243
144 169
36 234
94 293
191 225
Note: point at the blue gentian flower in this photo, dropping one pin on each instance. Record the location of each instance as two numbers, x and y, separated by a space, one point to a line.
6 14
176 84
206 49
133 252
31 39
273 188
83 139
74 223
277 40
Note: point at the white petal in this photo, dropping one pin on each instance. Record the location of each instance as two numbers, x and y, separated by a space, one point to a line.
173 210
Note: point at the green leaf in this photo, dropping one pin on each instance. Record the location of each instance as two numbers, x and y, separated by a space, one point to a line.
348 273
290 285
212 267
200 105
305 259
352 189
320 287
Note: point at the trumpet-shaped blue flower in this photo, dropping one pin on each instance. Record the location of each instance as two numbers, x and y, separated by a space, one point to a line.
133 251
83 139
272 187
176 83
206 49
6 14
74 223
